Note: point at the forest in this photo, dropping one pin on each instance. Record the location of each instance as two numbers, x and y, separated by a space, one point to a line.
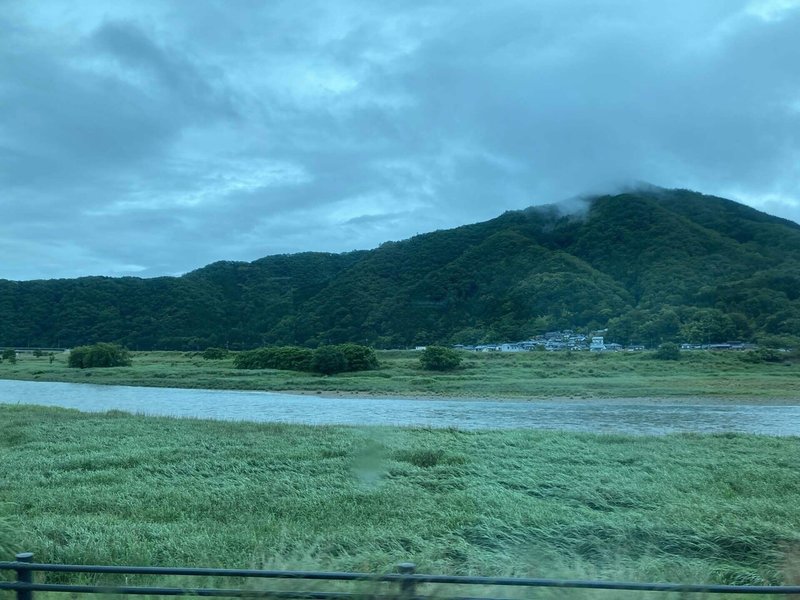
651 266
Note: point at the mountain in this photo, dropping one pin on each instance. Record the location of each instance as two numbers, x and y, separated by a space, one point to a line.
650 265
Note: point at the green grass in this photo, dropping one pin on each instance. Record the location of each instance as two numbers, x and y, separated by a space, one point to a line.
116 488
9 535
498 375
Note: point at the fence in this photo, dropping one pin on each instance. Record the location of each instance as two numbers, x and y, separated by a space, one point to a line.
406 582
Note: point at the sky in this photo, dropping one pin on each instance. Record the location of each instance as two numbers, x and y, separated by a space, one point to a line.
151 138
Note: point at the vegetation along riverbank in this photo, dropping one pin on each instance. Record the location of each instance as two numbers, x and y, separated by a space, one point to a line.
116 488
531 375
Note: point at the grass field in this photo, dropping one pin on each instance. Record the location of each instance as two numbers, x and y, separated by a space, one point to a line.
116 488
499 375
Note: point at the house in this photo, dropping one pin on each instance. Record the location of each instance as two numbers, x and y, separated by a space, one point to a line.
486 348
511 348
597 344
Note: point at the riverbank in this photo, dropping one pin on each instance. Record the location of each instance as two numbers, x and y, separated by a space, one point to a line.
698 376
632 400
115 488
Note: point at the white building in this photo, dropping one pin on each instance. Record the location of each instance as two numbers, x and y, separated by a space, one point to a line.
597 344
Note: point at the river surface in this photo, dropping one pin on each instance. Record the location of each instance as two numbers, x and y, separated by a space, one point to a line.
595 416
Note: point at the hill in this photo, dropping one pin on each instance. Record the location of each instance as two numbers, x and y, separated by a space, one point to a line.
651 265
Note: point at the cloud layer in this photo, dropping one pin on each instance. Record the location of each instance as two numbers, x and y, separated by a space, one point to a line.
149 139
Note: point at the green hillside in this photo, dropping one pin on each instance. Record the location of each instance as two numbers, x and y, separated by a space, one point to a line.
652 266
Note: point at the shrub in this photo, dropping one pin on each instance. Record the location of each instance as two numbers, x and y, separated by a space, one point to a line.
99 355
359 358
288 358
251 359
215 353
762 355
10 355
668 351
293 358
439 358
329 360
778 341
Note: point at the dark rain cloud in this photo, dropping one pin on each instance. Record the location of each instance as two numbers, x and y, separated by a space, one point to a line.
152 138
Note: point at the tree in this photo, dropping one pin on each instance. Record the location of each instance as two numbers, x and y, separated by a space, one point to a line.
439 358
10 355
668 351
707 325
329 360
99 355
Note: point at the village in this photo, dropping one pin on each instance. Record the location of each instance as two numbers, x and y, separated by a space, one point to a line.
594 341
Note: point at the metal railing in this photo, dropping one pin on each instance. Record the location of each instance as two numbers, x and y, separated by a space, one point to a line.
405 580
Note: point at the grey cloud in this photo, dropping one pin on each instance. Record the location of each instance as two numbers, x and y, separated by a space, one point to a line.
82 119
369 220
165 140
168 69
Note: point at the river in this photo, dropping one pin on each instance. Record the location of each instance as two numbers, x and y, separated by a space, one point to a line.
595 416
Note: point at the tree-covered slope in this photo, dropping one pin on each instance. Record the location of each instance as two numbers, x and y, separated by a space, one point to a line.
651 265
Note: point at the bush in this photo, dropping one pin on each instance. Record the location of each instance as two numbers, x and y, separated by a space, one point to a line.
293 358
251 359
99 355
10 355
215 353
668 351
778 342
329 360
288 358
359 358
764 355
439 358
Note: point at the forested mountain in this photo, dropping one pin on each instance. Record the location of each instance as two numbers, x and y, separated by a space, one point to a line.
652 265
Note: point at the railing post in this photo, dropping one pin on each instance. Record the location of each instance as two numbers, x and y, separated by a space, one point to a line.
408 587
24 575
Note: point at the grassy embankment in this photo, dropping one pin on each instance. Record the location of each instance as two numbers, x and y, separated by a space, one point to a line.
500 375
116 488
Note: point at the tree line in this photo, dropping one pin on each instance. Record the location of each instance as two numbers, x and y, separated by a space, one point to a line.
653 266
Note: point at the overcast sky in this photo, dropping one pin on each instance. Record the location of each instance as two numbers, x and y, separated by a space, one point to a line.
148 138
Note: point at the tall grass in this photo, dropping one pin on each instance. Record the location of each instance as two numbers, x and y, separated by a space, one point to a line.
116 488
9 532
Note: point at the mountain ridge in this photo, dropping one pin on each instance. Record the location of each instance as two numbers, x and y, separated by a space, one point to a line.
651 265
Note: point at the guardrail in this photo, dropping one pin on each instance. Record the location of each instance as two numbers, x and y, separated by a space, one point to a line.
406 581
